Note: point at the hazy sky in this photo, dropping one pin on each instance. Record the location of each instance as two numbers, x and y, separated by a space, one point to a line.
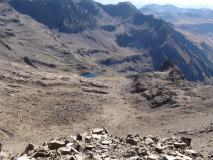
179 3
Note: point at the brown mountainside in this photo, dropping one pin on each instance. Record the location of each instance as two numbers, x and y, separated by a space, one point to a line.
117 42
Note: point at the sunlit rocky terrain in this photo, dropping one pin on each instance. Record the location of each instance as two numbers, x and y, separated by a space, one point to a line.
150 84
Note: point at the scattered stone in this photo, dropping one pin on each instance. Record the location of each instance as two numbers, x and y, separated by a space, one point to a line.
89 147
132 141
30 147
186 140
142 152
167 157
97 144
79 157
64 150
129 153
160 148
106 142
152 157
95 136
23 158
41 154
180 145
148 141
210 154
79 137
191 152
133 158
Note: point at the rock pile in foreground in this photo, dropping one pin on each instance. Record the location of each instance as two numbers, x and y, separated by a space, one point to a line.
98 144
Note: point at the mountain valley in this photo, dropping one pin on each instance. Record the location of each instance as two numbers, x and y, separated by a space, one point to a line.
111 43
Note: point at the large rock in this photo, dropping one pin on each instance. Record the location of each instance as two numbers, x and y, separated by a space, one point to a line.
132 141
30 147
56 144
64 150
148 141
98 131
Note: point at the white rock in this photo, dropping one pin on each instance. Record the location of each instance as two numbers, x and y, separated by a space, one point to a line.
187 158
96 136
79 157
106 142
191 152
64 150
24 157
69 144
133 158
167 157
98 131
148 141
152 157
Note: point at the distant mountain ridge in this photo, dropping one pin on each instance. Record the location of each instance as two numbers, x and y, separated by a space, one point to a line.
173 9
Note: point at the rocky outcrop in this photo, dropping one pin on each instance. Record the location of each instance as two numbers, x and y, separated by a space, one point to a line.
166 87
99 144
174 73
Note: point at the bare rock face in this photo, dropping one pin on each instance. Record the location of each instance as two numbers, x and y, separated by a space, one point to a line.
166 87
174 73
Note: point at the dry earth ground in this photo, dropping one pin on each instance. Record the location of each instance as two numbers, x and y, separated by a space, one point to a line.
37 105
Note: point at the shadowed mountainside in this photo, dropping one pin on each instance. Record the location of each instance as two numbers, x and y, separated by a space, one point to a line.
64 14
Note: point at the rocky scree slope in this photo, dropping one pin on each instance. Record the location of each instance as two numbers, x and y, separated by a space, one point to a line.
99 144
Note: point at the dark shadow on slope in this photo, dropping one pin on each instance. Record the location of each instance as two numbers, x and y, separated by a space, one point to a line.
27 61
59 14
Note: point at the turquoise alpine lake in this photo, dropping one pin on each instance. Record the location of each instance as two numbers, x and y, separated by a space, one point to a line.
90 75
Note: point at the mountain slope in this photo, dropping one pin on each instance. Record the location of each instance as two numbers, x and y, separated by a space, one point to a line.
26 43
123 41
64 14
163 43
